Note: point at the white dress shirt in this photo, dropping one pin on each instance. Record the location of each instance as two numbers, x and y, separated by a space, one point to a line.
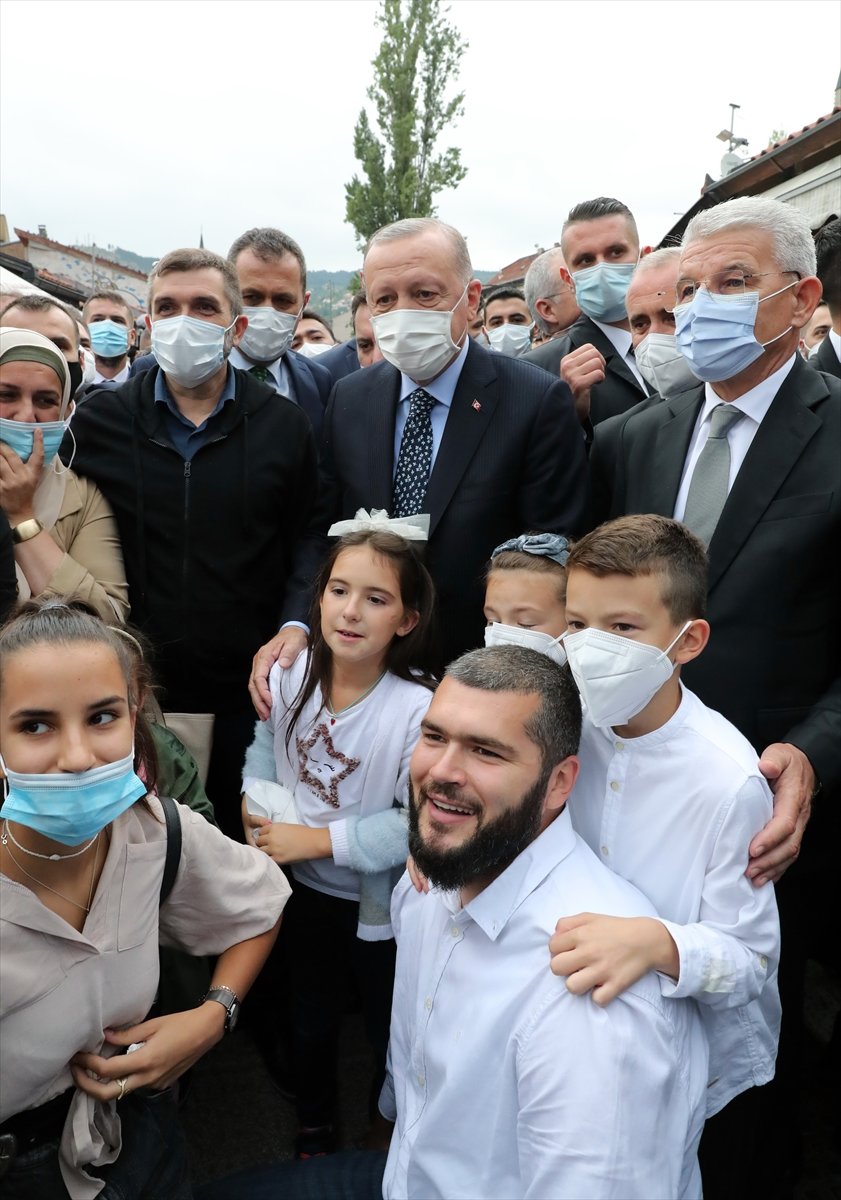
622 343
119 378
674 812
443 389
754 404
277 369
835 342
504 1084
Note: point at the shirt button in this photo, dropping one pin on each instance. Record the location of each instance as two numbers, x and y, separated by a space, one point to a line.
455 930
620 745
428 1003
421 1080
763 961
605 851
614 785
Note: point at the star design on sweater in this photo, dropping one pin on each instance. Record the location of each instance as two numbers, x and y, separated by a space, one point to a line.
335 765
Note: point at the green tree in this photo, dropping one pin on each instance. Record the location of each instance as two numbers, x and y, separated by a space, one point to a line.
418 57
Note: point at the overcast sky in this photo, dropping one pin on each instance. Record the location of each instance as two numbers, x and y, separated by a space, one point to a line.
137 124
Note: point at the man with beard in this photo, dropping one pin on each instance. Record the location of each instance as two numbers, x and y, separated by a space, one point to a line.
501 1082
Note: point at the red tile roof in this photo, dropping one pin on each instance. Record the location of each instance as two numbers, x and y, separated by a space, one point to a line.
791 136
514 270
25 236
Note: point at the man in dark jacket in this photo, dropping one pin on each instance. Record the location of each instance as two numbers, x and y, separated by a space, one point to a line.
211 476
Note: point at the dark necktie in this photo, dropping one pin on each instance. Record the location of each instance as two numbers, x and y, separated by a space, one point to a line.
261 373
414 462
708 487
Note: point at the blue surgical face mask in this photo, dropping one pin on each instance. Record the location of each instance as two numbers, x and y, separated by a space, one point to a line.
71 807
601 290
109 339
715 334
20 434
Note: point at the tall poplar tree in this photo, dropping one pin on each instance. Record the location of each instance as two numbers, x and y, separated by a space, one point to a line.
418 58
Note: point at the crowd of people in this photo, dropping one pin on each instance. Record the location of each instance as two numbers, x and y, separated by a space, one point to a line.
491 660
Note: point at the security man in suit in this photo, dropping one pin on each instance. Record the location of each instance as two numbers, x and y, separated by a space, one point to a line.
485 444
600 246
272 276
828 250
749 460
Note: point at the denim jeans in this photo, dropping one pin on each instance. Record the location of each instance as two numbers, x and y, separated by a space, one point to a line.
152 1164
352 1175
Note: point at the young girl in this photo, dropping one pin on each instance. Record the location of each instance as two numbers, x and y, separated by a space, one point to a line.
525 594
82 853
344 721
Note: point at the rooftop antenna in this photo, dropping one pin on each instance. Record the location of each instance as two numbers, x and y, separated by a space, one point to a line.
732 158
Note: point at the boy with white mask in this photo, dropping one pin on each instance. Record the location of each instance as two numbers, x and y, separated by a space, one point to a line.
669 796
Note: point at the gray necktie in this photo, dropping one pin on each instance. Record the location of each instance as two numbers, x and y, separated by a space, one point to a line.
708 488
414 462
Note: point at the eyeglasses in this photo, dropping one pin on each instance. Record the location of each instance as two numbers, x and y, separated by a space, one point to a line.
732 282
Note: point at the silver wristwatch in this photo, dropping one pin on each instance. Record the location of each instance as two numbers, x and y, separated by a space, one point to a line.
229 1000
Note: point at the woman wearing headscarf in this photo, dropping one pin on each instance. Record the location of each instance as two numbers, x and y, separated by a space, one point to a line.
65 537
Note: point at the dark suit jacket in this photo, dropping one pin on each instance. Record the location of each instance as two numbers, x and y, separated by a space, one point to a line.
340 360
311 383
511 459
773 663
620 389
826 359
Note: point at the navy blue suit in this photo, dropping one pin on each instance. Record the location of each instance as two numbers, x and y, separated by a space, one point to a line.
340 360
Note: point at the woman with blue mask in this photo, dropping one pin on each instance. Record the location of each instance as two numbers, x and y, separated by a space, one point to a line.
86 1107
65 537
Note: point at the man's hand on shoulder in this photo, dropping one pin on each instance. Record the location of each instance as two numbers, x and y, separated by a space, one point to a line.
581 369
793 782
284 648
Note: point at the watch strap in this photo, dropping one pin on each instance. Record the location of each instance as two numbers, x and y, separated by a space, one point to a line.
26 530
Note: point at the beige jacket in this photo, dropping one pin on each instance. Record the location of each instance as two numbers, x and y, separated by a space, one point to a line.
92 568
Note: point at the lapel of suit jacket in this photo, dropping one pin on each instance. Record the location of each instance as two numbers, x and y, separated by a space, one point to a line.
306 393
473 406
609 353
665 469
827 360
783 434
380 416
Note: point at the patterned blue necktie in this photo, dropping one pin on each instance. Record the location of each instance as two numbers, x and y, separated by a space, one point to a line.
414 462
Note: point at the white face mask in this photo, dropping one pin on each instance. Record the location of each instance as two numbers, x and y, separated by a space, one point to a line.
269 333
88 368
510 339
617 676
663 366
189 349
417 341
497 634
313 349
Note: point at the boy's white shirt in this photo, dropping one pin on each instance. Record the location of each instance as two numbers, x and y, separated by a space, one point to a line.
674 812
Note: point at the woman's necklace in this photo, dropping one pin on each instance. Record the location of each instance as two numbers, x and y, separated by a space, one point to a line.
85 908
47 857
337 712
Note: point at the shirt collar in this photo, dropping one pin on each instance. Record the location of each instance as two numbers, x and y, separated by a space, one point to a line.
620 339
443 387
835 342
120 377
493 908
277 369
757 401
164 396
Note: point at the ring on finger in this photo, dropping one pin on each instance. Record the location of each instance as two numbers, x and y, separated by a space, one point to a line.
122 1091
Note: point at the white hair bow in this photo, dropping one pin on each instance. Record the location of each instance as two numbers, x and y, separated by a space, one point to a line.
413 529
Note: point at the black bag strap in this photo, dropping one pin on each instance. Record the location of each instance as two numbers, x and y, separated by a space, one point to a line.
173 845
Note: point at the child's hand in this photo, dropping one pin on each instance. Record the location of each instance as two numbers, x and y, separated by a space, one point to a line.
605 955
292 843
418 880
250 824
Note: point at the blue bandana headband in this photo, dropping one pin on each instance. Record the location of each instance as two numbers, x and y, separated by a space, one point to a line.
544 545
